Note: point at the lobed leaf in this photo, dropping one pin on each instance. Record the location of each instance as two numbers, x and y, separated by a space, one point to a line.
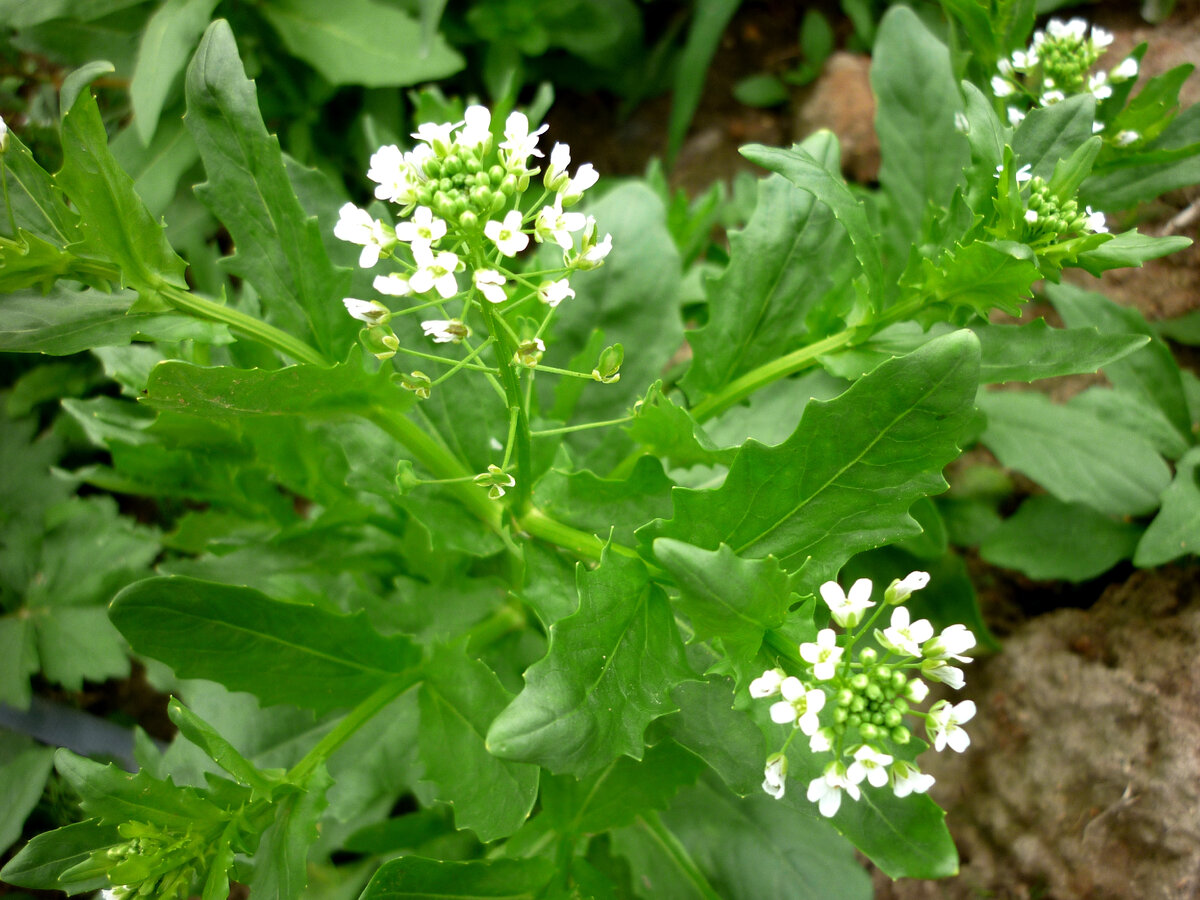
1035 350
605 506
167 38
1174 531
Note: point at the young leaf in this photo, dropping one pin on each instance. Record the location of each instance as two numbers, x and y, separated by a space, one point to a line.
666 430
37 205
42 861
459 699
607 675
223 753
167 38
1035 350
1052 133
281 861
889 435
280 652
1129 249
1075 455
416 878
1174 531
980 276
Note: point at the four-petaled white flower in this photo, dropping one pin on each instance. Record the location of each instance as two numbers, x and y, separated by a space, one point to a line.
767 684
952 643
553 293
902 588
908 779
799 706
943 725
941 671
1076 29
1024 59
847 608
434 272
870 764
826 791
916 690
905 637
585 177
370 311
555 178
821 740
490 284
477 130
1101 38
356 226
438 136
423 228
394 176
554 224
1053 96
518 140
393 284
824 655
507 235
445 331
1002 87
1099 87
1126 70
1015 116
1096 222
775 775
1031 216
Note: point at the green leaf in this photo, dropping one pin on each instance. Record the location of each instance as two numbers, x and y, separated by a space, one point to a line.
727 739
278 246
666 430
116 224
37 204
24 767
459 699
810 174
762 90
1125 409
1129 250
18 660
344 45
779 270
600 505
1047 539
416 878
1151 374
888 436
223 753
1051 133
1075 455
608 674
68 320
42 861
917 96
158 170
169 35
280 652
708 24
732 600
1035 350
280 863
980 276
1174 531
1168 162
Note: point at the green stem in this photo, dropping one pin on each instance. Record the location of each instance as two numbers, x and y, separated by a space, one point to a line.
505 350
553 370
781 646
569 428
453 363
539 525
671 845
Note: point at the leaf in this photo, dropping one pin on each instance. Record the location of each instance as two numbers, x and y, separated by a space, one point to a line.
42 861
278 246
1076 456
18 660
603 506
1051 133
416 878
37 204
68 320
709 22
1125 409
779 269
980 276
809 174
1168 162
887 437
607 674
761 90
725 738
1047 539
115 223
223 753
732 600
281 868
917 96
666 430
459 699
167 38
1129 250
1175 530
1035 350
24 767
280 652
344 44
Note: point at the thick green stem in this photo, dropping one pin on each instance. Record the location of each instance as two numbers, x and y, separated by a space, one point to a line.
539 525
671 845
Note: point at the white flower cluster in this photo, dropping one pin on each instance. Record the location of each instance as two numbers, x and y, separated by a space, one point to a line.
864 700
1058 64
1046 217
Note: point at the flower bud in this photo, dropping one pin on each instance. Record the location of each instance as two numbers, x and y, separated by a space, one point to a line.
883 674
901 735
418 383
607 369
892 718
859 682
868 731
844 697
868 656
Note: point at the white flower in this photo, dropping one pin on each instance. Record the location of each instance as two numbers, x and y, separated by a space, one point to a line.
961 123
553 293
478 127
799 706
1100 37
1031 216
1004 66
370 311
490 284
943 725
821 740
1024 59
555 177
1015 116
767 684
395 177
870 764
591 254
586 176
908 779
775 775
1002 87
824 655
394 285
423 228
445 331
916 690
554 224
1095 221
826 791
518 140
847 609
1076 28
903 637
1126 70
1022 175
950 644
1097 127
356 226
437 136
1125 138
1054 96
941 671
1099 86
507 235
3 135
434 271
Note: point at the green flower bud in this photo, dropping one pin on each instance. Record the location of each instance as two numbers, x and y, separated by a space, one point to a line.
452 166
868 656
892 718
901 735
899 680
608 367
854 720
840 715
883 674
900 705
496 175
859 682
858 704
844 697
868 731
509 185
468 221
873 691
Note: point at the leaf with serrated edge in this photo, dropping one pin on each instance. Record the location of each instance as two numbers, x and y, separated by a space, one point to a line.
1035 350
48 855
584 500
608 674
281 869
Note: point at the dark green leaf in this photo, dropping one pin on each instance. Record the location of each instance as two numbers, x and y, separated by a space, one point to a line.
1129 249
44 859
24 767
980 276
37 205
1051 133
223 753
608 674
600 505
281 861
727 739
168 38
416 878
280 652
1035 350
1175 531
666 430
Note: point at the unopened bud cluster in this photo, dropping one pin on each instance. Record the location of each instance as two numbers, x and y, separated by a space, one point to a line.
1047 218
153 863
856 708
1058 64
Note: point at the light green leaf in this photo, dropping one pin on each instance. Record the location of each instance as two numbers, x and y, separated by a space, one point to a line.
278 246
280 652
608 674
416 878
779 270
1175 531
1129 411
708 24
600 505
888 437
666 430
44 859
37 204
167 39
1167 163
1035 350
159 169
77 645
344 44
980 276
24 767
281 859
459 699
1047 539
223 753
917 96
1076 456
1129 249
18 660
1051 133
